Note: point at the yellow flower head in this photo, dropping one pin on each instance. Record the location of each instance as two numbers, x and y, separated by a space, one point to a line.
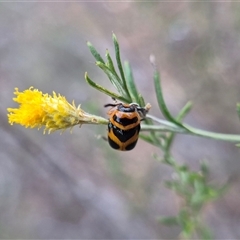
54 112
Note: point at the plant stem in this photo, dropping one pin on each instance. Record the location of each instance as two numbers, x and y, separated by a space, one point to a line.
171 127
213 135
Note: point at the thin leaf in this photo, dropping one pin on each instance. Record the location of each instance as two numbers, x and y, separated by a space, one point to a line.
131 86
104 90
184 111
149 121
119 62
114 79
110 64
95 53
161 102
146 138
150 139
141 100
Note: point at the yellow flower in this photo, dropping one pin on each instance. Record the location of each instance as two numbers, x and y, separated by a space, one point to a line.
54 112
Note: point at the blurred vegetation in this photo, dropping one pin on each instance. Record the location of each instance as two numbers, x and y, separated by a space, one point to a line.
192 187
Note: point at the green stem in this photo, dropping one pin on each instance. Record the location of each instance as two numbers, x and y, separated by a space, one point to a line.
213 135
164 122
170 127
162 128
99 120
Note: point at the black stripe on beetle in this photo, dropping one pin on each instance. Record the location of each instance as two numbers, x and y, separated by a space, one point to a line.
122 135
125 121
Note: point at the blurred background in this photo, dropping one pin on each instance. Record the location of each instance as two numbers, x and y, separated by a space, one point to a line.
76 186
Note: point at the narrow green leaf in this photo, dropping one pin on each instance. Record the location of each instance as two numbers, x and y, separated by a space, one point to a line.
95 53
141 100
156 139
131 86
148 121
114 79
199 195
161 102
184 177
169 143
184 111
146 138
119 62
142 103
104 90
183 168
168 159
118 58
110 64
150 139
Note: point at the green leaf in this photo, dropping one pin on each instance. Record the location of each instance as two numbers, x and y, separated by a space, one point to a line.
185 177
119 63
114 79
131 86
147 120
118 58
179 118
146 138
110 64
150 139
187 223
161 102
197 200
95 53
184 111
155 140
141 100
104 90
